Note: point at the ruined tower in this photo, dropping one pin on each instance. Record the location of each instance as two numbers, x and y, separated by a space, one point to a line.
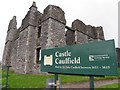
12 31
53 27
40 31
27 41
80 33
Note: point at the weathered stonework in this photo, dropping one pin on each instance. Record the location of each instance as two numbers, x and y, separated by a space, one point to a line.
12 31
39 31
53 27
70 37
118 56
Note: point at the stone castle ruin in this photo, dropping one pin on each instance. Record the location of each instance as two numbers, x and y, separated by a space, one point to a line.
43 30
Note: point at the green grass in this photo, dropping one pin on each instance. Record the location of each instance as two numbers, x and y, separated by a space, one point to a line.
114 86
25 80
39 81
36 81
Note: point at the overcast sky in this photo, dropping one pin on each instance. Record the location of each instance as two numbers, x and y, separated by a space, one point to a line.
92 12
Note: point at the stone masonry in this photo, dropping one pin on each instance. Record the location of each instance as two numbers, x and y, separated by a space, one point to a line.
40 31
118 56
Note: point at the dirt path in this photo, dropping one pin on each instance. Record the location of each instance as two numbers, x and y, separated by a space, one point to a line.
87 84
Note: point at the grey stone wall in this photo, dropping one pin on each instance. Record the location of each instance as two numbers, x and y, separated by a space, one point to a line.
118 56
14 54
53 27
30 63
22 51
43 31
80 33
70 37
7 53
31 18
100 33
12 30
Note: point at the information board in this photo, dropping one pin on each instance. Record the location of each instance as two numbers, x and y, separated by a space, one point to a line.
93 58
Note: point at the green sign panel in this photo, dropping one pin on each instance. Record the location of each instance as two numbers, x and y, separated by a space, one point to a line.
94 58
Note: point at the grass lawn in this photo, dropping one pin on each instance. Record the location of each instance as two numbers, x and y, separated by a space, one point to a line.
39 81
36 81
114 86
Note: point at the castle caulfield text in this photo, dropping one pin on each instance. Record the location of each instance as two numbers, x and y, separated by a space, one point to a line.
65 58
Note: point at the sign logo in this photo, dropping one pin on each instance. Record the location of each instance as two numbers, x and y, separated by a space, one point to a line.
91 58
99 57
48 60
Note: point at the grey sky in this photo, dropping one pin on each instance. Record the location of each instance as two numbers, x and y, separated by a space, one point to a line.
94 12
